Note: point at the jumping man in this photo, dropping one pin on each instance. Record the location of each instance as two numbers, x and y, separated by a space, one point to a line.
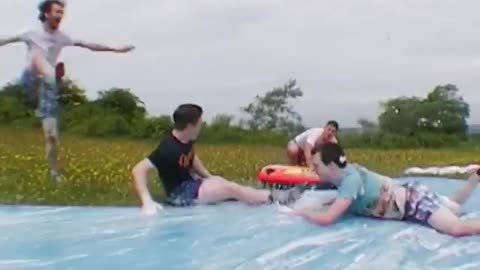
39 77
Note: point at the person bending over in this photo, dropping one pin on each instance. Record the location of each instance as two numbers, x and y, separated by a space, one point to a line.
301 149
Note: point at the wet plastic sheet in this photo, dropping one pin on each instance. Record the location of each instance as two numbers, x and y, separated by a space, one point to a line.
225 236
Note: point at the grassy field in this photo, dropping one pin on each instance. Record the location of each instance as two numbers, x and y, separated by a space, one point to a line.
98 171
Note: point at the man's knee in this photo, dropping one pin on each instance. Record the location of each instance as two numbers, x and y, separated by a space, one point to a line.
41 66
51 145
52 140
227 187
292 149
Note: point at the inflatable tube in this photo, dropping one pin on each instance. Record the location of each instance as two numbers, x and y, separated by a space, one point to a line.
285 176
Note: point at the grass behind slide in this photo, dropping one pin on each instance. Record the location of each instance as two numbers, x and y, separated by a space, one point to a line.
98 171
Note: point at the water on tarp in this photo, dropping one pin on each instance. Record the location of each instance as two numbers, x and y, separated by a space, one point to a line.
225 236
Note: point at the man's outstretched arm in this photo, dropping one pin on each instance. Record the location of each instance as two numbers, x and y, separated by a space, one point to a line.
9 40
338 208
103 48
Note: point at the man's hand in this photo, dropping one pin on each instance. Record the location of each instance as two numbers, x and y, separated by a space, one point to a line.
125 49
307 152
338 208
200 169
103 48
151 208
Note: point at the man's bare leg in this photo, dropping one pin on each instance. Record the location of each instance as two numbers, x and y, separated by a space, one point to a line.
47 76
462 195
217 189
52 146
445 221
47 111
292 153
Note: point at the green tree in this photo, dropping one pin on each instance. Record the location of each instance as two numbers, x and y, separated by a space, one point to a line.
122 101
400 115
367 126
442 111
273 111
70 94
445 111
222 120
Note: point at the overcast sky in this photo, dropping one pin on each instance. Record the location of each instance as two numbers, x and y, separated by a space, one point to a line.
221 53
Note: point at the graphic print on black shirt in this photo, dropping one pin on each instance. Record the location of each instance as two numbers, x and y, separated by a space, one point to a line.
173 160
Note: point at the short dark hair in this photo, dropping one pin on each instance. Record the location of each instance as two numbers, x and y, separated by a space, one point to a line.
333 123
186 114
333 152
46 6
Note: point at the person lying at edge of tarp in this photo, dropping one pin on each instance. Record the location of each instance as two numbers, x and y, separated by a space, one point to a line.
366 193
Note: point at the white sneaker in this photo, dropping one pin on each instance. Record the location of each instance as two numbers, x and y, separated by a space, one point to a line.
57 177
288 196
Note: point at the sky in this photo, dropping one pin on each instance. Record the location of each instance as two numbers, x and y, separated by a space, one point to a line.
222 53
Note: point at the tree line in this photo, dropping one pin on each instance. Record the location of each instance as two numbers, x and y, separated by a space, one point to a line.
437 120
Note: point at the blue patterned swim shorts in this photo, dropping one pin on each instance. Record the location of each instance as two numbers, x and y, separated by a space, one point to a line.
186 194
420 202
47 93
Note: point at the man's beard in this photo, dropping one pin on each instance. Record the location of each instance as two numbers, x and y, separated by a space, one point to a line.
56 23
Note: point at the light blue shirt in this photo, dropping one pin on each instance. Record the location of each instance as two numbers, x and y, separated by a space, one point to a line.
362 186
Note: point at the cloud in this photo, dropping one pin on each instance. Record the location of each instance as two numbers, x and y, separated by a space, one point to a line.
221 53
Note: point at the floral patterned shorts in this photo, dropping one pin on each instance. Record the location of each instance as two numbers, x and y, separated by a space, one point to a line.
420 202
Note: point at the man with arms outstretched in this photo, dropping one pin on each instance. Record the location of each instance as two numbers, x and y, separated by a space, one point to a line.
39 77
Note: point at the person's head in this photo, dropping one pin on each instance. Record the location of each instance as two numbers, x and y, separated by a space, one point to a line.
330 130
187 119
332 161
51 13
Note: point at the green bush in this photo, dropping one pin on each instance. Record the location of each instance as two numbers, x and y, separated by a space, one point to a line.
110 116
382 140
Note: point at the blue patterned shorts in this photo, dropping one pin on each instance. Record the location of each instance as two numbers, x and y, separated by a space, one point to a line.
420 202
47 91
186 194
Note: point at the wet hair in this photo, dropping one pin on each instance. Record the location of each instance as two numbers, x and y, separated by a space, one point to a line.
333 123
46 6
186 114
332 152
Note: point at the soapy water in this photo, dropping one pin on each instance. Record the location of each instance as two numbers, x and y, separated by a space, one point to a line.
226 236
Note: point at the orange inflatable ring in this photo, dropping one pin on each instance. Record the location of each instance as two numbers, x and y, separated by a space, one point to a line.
287 176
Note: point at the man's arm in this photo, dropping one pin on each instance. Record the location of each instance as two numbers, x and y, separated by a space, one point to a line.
308 155
140 177
6 41
199 168
102 48
334 212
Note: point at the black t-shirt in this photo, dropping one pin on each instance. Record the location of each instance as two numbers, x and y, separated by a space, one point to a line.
173 160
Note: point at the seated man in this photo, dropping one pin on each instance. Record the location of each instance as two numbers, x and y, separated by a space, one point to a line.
185 180
363 192
304 145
